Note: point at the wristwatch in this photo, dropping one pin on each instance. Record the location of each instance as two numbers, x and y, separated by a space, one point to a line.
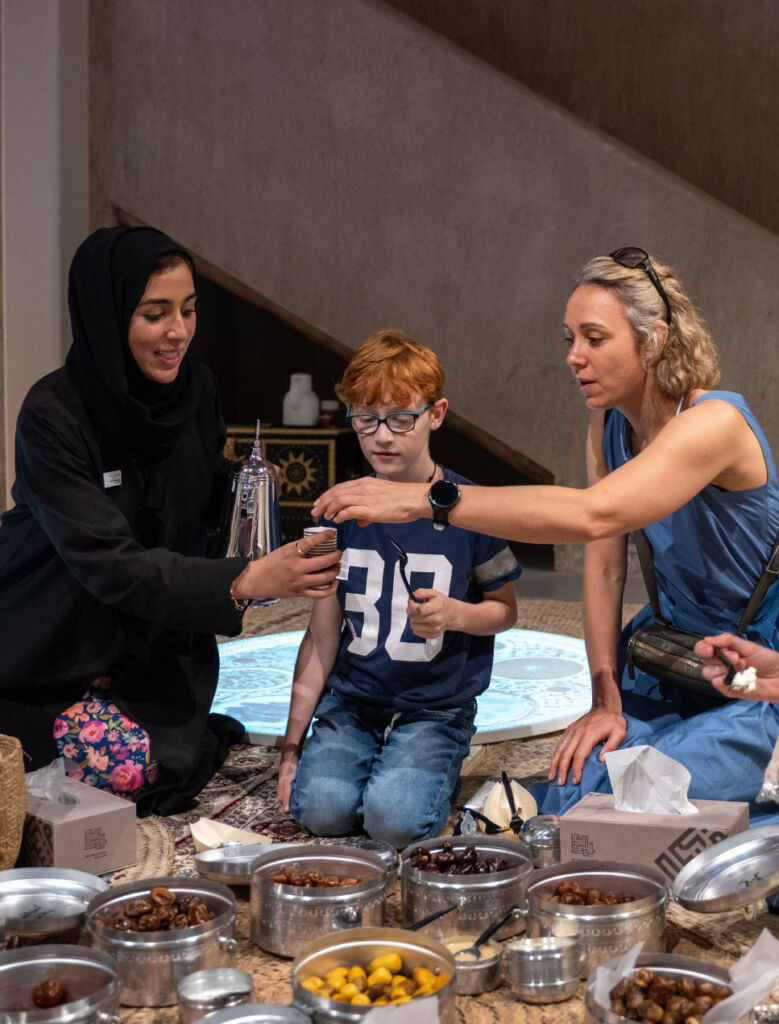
443 496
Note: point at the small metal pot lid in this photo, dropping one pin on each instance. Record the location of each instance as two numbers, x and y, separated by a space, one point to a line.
232 862
734 873
543 830
44 901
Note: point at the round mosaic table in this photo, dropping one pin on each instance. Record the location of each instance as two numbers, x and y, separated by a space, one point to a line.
540 683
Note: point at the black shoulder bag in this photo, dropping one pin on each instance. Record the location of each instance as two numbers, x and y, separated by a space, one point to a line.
667 653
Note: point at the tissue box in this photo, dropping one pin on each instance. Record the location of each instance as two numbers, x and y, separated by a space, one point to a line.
95 834
594 830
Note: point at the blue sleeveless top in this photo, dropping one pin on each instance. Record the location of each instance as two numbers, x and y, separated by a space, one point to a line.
709 553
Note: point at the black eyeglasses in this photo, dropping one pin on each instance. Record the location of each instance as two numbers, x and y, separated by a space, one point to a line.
397 422
634 259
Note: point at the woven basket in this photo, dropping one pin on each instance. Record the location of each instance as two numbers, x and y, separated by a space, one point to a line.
13 800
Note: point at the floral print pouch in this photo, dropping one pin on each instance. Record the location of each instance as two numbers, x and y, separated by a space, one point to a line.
106 748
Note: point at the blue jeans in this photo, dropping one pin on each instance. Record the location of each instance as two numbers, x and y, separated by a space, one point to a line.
391 775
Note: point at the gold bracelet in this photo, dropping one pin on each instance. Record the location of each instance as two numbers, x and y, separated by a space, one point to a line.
240 606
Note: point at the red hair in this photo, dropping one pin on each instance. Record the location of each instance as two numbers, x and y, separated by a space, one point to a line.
391 366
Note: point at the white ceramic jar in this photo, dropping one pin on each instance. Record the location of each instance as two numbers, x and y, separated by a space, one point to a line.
301 405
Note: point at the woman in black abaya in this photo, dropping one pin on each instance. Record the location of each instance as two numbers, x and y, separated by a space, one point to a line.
108 603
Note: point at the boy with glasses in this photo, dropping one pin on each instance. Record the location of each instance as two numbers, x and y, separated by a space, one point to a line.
394 692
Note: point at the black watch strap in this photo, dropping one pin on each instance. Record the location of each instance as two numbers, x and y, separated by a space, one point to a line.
443 496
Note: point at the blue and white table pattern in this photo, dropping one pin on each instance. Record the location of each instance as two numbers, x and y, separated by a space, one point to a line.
540 683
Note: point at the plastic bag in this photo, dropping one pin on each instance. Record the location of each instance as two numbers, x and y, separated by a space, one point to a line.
770 788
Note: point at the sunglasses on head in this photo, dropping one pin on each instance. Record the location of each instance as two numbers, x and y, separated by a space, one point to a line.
634 258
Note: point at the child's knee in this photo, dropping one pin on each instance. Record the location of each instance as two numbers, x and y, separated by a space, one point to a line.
323 807
401 818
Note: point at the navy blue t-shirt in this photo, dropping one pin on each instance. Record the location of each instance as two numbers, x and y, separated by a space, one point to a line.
380 661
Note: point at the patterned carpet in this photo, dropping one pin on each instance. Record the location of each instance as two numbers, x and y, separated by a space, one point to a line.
243 794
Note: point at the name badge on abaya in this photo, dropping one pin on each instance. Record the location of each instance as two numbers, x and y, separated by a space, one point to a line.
112 478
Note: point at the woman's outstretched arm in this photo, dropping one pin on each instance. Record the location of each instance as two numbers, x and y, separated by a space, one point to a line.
707 443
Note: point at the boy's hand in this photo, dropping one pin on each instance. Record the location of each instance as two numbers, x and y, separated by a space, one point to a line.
287 770
433 617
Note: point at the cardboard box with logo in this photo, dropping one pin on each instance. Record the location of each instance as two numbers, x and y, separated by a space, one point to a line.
594 830
93 831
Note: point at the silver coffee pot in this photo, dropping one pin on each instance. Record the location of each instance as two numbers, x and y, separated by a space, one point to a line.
254 526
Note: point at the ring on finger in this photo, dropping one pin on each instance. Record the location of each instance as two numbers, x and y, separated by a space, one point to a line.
299 550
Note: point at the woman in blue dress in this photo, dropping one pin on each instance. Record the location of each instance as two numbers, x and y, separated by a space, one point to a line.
687 463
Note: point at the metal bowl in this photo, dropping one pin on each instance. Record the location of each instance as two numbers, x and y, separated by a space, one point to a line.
91 979
480 899
203 992
284 918
472 977
670 965
151 964
258 1013
542 835
43 903
605 931
546 969
359 946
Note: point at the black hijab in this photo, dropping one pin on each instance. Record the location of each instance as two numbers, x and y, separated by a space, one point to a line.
108 277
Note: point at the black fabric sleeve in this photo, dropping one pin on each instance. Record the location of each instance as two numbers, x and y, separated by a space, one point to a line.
93 538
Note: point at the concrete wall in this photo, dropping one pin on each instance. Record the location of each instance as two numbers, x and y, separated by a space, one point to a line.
691 85
43 192
359 171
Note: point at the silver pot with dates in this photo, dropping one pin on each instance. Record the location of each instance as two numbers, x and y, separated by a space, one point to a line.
606 929
63 983
152 962
298 893
699 976
478 894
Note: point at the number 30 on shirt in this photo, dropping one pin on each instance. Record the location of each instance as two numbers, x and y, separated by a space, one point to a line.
374 605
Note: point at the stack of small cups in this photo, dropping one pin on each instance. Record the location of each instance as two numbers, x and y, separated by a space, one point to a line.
324 546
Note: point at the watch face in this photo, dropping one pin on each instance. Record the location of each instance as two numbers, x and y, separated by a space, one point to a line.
444 494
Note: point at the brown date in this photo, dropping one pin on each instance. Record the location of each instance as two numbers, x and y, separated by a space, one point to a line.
162 897
49 993
138 907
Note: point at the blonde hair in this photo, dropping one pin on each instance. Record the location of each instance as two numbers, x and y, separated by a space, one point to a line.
390 365
689 357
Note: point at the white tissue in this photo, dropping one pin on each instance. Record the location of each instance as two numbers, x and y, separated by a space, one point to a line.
649 782
607 975
746 680
770 787
209 835
751 978
47 783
